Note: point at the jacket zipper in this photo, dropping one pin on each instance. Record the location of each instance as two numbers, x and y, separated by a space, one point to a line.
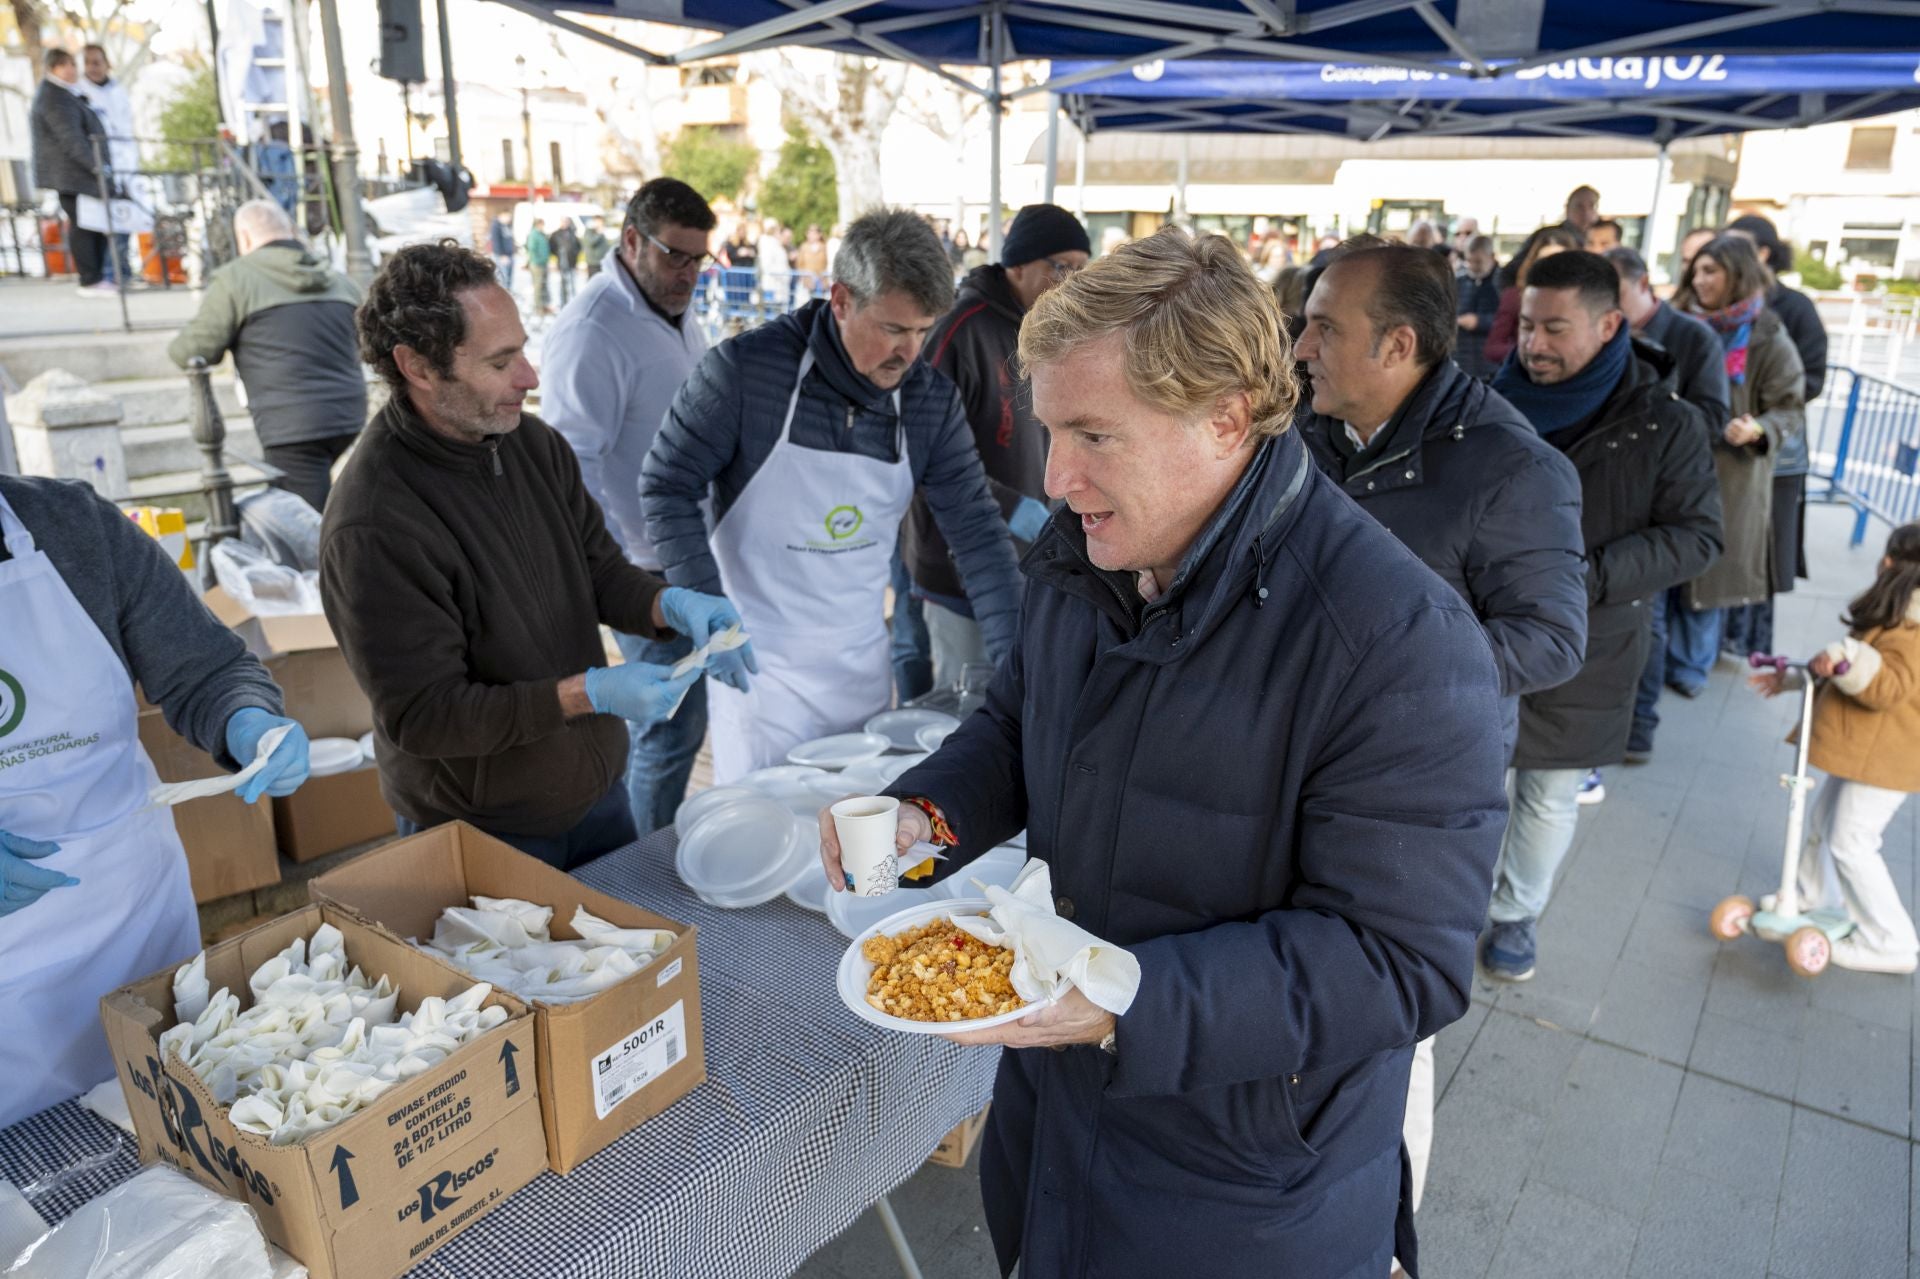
1380 462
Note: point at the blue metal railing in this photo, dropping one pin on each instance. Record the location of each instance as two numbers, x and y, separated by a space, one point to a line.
1864 435
729 299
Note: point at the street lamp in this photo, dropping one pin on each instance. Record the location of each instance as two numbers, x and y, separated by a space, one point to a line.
526 119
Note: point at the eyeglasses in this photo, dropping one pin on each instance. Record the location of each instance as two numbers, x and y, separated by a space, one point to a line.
677 260
1061 270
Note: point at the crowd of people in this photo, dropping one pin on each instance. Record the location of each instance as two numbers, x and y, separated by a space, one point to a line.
1221 548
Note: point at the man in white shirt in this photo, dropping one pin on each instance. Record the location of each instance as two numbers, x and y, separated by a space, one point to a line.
612 364
110 101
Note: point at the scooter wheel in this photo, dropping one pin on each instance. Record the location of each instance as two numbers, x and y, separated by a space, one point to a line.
1808 951
1730 917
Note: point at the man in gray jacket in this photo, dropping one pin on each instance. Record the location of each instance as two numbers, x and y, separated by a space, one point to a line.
65 161
613 362
811 434
287 316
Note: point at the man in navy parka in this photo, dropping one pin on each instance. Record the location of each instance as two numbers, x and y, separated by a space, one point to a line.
1260 745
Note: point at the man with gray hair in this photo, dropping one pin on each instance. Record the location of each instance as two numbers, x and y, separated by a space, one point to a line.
287 316
811 434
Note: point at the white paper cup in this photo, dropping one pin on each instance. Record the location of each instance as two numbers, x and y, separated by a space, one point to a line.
866 825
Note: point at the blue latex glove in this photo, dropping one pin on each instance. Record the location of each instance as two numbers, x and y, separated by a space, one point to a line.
640 692
1028 519
700 617
286 767
21 882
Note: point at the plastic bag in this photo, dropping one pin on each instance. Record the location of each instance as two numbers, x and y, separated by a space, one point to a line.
159 1224
261 586
282 526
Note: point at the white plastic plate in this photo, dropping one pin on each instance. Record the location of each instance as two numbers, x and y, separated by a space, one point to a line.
329 755
838 751
366 747
903 726
855 970
698 805
740 854
929 738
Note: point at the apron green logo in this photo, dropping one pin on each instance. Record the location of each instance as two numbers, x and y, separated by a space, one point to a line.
843 522
13 703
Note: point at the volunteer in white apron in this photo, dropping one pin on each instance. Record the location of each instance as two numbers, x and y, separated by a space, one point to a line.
93 881
804 554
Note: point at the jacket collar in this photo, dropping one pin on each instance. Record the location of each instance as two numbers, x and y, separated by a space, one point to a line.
1231 555
989 284
1446 404
432 447
831 360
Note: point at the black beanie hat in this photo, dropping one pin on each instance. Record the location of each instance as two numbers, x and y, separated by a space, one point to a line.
1042 230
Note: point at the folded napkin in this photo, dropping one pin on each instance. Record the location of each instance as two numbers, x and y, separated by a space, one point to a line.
1051 953
170 793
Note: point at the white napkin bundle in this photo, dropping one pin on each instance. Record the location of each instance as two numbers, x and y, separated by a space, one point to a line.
168 794
1051 953
720 642
319 1043
507 942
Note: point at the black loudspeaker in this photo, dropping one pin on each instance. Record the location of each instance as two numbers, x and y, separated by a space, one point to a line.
403 49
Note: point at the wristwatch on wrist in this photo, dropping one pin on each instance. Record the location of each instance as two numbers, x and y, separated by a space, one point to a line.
1111 1044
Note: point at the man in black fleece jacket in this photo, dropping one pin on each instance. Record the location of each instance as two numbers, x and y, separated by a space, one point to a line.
466 573
973 344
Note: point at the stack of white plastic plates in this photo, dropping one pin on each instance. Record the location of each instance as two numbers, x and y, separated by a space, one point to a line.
742 853
329 755
901 728
699 804
838 751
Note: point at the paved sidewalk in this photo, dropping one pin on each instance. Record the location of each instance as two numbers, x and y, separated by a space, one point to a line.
1652 1103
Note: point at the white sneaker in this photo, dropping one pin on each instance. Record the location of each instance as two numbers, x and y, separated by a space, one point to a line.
100 290
1850 952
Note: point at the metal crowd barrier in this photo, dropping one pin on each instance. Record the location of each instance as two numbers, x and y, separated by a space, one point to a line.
1864 436
729 299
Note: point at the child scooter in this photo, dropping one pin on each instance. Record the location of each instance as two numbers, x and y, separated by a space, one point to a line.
1808 936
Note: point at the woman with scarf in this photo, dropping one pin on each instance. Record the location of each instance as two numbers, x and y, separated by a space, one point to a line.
1726 285
1505 333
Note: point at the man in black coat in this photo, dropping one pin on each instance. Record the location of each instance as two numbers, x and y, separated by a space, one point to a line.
973 344
1477 283
1650 515
1258 744
65 160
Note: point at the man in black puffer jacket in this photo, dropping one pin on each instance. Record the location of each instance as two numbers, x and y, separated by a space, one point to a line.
1650 515
974 346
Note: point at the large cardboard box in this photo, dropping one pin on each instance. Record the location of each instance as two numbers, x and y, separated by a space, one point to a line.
371 1196
957 1146
330 813
606 1063
305 661
230 844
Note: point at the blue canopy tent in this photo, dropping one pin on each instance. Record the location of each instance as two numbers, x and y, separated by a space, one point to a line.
1478 38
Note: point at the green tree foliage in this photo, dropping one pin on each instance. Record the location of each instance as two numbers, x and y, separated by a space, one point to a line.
712 163
802 188
192 114
1815 274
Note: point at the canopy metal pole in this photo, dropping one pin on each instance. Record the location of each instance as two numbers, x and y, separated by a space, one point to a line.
994 103
1053 145
346 156
446 78
1080 174
1180 185
1649 241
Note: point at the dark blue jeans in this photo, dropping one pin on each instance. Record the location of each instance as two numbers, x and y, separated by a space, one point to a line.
661 758
1693 643
912 647
608 825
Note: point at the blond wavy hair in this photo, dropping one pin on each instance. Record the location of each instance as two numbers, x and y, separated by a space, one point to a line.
1196 323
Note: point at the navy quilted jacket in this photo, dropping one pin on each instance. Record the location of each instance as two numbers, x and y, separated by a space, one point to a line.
727 418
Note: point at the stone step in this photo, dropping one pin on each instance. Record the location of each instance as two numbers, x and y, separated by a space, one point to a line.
169 446
152 401
96 357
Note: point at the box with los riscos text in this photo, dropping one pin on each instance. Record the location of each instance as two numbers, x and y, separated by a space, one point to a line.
370 1196
608 1062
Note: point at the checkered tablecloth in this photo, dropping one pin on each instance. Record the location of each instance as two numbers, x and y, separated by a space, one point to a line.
807 1117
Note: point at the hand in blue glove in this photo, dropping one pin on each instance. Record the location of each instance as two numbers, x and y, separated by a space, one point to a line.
21 882
1029 518
640 692
701 617
286 767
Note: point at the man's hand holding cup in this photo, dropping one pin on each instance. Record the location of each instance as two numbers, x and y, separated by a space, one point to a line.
863 839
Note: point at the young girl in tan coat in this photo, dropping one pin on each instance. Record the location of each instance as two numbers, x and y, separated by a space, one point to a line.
1866 738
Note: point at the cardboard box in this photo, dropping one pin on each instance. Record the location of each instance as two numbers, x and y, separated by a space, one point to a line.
957 1146
330 813
304 659
369 1197
230 847
606 1063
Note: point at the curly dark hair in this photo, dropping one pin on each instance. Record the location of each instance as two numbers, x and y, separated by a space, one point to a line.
415 301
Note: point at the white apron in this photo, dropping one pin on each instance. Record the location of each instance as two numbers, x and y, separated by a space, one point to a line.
805 554
72 771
